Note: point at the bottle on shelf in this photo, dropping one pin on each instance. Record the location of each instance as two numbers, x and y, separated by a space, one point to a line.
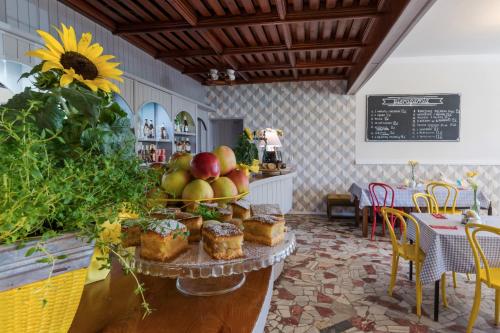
176 145
188 146
163 132
177 127
186 126
145 129
152 152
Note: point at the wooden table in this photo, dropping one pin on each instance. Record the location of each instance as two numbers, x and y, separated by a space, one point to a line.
111 306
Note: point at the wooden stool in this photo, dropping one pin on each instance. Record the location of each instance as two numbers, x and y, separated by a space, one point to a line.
338 200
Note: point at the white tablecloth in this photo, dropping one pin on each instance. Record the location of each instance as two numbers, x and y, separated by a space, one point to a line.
403 196
449 250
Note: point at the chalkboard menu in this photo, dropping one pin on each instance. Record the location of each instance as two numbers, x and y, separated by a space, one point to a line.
433 117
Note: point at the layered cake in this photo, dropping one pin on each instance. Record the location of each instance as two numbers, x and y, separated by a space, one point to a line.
266 209
264 229
192 222
222 240
236 222
164 213
131 232
164 240
241 209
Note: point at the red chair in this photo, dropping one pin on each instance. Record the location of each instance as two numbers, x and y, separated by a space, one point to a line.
388 194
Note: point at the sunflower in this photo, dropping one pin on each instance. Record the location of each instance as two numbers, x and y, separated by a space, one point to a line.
78 61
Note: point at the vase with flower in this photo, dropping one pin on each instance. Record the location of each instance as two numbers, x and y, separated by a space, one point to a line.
476 205
413 164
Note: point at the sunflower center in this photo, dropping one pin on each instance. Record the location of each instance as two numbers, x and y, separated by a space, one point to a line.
81 64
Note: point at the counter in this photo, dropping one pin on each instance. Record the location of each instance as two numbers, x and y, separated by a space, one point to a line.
112 306
273 190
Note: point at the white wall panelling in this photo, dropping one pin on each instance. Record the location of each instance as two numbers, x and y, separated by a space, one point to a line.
273 190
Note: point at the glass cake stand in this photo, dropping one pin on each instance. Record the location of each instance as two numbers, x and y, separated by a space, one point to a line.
199 274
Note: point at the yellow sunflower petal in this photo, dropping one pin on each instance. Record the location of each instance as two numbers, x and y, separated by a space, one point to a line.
43 54
93 51
114 77
66 79
72 46
51 42
48 65
108 71
84 42
91 84
109 65
104 58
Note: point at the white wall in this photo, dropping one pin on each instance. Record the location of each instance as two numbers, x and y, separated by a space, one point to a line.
475 77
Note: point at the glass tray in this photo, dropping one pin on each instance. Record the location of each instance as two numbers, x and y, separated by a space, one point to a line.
196 263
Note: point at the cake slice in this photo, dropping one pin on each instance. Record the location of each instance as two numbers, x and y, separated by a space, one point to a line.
164 213
264 229
192 222
241 209
164 240
222 241
131 232
266 209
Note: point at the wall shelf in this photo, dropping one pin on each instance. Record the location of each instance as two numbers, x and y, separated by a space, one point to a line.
185 133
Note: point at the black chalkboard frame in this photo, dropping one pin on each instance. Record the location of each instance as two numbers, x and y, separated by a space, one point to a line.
416 95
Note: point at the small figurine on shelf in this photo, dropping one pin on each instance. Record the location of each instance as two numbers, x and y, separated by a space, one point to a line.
151 130
145 129
188 146
186 126
163 132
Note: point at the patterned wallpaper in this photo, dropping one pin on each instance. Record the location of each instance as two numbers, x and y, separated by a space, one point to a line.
319 141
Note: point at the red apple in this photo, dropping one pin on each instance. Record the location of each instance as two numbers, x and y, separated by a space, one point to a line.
205 166
240 179
197 190
227 159
224 187
180 161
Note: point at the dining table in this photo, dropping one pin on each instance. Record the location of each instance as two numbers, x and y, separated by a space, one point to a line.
446 247
403 199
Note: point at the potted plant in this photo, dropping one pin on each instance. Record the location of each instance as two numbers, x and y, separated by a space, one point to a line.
67 171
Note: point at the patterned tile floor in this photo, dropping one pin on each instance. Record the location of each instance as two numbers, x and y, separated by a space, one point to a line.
337 282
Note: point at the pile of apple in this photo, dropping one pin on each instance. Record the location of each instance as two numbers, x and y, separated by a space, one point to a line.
204 176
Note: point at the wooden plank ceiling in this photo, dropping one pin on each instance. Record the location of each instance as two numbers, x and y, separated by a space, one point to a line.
263 40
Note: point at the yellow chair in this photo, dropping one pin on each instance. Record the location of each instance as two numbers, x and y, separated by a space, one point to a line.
484 273
412 252
429 200
450 203
432 208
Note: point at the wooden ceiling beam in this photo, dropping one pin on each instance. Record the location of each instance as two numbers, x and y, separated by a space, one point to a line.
189 14
306 46
262 19
274 67
278 79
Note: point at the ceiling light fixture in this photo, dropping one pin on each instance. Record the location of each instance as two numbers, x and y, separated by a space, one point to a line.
221 77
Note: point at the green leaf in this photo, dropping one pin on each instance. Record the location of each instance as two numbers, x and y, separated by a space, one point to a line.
31 251
85 103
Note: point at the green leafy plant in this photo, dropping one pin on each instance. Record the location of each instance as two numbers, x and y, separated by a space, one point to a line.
67 164
246 151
